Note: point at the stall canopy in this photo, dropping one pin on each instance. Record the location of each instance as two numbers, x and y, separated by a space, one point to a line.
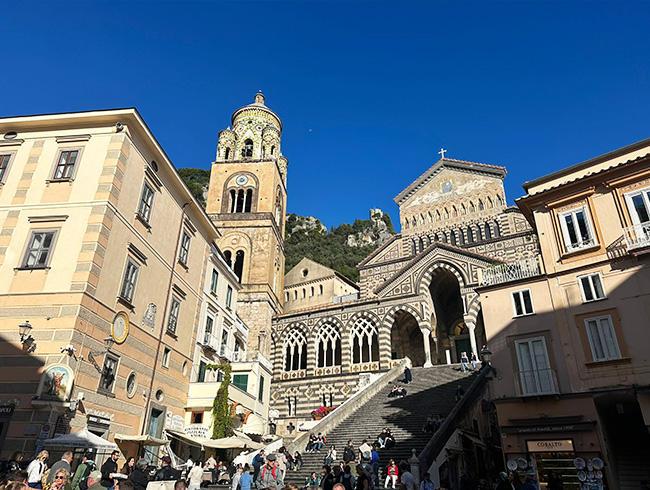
254 425
83 439
144 440
237 441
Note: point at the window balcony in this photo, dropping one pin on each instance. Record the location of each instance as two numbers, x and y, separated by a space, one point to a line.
210 341
511 271
536 382
637 236
227 352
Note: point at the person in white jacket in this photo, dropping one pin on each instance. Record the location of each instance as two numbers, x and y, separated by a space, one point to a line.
36 469
195 476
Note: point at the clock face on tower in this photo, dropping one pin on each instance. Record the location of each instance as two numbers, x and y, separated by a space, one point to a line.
242 180
120 327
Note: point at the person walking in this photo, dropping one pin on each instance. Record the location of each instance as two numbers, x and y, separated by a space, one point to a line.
258 462
363 479
139 477
408 480
391 474
348 453
269 475
83 470
236 477
327 480
109 468
408 377
36 470
464 362
246 479
374 463
473 360
427 484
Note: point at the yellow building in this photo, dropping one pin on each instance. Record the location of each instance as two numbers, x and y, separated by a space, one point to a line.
103 254
569 341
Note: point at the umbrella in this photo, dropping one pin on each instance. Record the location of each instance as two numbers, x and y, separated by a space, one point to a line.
84 439
145 440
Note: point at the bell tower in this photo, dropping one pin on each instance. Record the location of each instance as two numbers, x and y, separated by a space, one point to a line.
247 200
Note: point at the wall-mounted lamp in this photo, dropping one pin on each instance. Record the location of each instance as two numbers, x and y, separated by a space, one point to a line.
108 343
486 360
24 329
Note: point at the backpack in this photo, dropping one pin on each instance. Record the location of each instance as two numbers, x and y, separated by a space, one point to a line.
366 456
90 467
347 481
348 454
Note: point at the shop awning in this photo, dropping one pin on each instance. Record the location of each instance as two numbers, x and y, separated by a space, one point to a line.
254 425
144 440
475 440
84 439
237 441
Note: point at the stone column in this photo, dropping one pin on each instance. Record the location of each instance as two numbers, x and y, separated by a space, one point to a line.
427 347
471 326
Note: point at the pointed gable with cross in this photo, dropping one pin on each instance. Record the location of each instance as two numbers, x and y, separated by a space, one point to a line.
450 191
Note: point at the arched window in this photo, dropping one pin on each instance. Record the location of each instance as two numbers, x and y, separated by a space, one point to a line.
470 235
320 289
239 264
248 201
481 206
278 208
498 200
463 210
311 291
228 255
421 219
304 293
454 212
478 232
461 237
295 294
295 351
490 203
497 231
452 235
241 200
364 341
247 151
437 215
420 244
273 150
233 200
414 222
227 155
472 208
286 296
429 217
444 237
446 213
328 346
437 238
427 240
414 247
487 231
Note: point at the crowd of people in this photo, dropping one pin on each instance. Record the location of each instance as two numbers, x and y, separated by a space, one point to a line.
432 424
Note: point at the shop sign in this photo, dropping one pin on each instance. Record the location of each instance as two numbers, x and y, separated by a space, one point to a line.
534 429
197 430
177 423
559 446
7 410
45 431
95 420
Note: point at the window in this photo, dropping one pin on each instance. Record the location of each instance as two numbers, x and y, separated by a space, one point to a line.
165 357
304 293
224 338
172 321
260 392
185 249
247 151
65 165
214 281
146 201
311 291
229 296
240 381
239 264
328 346
535 375
295 294
320 289
197 417
109 373
209 325
200 375
128 283
131 384
522 302
365 341
4 165
576 229
286 296
295 351
638 203
602 338
591 287
39 250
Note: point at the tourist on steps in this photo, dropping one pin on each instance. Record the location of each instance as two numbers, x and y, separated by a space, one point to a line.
408 480
408 377
473 360
363 479
348 453
331 456
327 480
464 362
427 484
391 474
297 461
269 475
312 481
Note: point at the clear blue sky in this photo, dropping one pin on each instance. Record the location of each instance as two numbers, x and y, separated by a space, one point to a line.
368 91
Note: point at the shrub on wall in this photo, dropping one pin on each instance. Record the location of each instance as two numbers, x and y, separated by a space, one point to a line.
221 409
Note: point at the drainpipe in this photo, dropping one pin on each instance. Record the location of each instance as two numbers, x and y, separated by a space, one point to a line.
164 315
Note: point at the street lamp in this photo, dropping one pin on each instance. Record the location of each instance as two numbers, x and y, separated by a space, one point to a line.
26 339
486 356
109 342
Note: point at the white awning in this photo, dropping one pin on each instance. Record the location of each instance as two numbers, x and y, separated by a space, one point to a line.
84 439
254 425
145 440
237 441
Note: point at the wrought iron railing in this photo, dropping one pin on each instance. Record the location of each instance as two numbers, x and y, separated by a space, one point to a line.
511 271
637 236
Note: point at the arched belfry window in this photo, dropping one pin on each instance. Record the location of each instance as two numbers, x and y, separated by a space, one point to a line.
497 231
487 231
470 235
241 200
481 206
278 208
364 341
247 151
227 154
461 237
239 264
295 351
452 236
228 255
273 150
328 346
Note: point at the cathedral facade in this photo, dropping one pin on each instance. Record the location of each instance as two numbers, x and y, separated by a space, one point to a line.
416 295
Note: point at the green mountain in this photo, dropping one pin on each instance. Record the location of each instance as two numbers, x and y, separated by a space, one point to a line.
340 248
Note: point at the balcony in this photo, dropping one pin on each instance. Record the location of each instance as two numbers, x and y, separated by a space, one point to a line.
637 236
536 383
511 271
210 341
227 352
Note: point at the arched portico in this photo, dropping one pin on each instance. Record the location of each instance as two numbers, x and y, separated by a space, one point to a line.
409 336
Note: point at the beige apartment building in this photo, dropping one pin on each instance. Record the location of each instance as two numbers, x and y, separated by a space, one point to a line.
103 258
570 343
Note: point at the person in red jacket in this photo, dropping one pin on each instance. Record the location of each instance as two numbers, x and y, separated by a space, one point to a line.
391 474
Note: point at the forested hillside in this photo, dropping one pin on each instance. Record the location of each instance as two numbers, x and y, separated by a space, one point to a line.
340 248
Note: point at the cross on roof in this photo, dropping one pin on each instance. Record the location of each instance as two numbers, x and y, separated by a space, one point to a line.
442 152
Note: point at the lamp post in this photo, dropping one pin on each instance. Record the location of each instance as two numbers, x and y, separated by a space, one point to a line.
26 339
486 356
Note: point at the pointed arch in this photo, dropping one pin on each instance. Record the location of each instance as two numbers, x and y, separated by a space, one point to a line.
295 350
364 341
328 345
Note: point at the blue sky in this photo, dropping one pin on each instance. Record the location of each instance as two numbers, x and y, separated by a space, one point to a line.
368 91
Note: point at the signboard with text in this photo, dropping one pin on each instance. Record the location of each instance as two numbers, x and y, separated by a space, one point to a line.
555 446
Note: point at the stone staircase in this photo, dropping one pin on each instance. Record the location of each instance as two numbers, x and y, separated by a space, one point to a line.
432 392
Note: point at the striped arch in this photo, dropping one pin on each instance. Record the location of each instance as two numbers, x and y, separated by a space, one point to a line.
277 338
473 309
389 317
368 315
326 319
424 281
